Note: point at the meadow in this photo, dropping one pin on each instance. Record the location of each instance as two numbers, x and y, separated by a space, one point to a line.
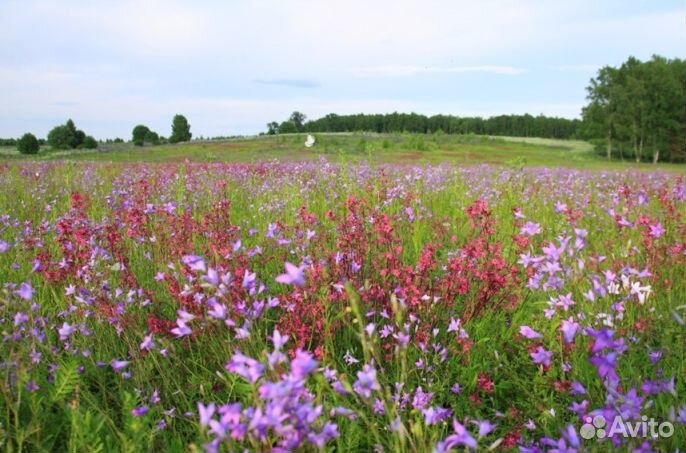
467 149
376 293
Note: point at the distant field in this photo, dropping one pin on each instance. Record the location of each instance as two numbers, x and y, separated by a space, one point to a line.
409 148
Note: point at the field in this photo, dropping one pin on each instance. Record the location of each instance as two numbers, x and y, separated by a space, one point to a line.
358 147
376 293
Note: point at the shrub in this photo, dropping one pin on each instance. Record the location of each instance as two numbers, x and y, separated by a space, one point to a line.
28 144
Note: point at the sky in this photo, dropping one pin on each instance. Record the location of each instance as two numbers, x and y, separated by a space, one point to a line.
232 66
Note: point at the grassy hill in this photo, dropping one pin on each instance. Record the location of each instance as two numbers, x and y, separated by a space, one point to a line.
400 148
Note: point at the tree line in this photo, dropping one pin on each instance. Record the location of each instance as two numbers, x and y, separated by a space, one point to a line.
512 125
638 110
68 136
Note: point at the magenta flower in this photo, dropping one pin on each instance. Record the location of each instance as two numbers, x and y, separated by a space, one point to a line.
294 275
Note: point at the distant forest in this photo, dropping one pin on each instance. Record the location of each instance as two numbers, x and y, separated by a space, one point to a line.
513 125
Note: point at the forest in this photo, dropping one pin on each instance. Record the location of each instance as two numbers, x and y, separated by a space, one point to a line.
638 110
512 125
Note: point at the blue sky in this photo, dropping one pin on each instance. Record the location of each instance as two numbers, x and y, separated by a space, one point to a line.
232 66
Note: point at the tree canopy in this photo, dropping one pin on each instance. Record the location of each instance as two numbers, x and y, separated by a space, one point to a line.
67 136
181 130
141 135
513 125
28 144
638 110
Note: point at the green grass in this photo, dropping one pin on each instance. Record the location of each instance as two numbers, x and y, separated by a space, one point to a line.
375 148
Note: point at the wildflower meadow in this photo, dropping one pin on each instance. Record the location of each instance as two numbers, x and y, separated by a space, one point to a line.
318 306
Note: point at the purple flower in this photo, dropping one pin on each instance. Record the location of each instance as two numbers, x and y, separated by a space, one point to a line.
25 291
4 246
246 367
20 318
278 340
577 388
212 277
541 357
195 263
569 329
606 366
206 413
603 339
529 333
294 275
433 415
565 301
303 364
65 331
485 427
139 411
530 229
118 365
656 230
366 382
147 343
460 437
182 329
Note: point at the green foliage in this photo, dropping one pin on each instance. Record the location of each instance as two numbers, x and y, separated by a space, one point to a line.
287 127
181 130
509 125
66 380
28 144
138 134
298 120
89 143
272 128
638 110
66 136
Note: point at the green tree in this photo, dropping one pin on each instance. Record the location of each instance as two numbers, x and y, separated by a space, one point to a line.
181 130
287 127
298 120
89 143
28 144
66 136
152 138
138 134
272 128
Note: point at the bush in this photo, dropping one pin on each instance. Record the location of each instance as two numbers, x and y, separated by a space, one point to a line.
28 144
66 136
89 143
